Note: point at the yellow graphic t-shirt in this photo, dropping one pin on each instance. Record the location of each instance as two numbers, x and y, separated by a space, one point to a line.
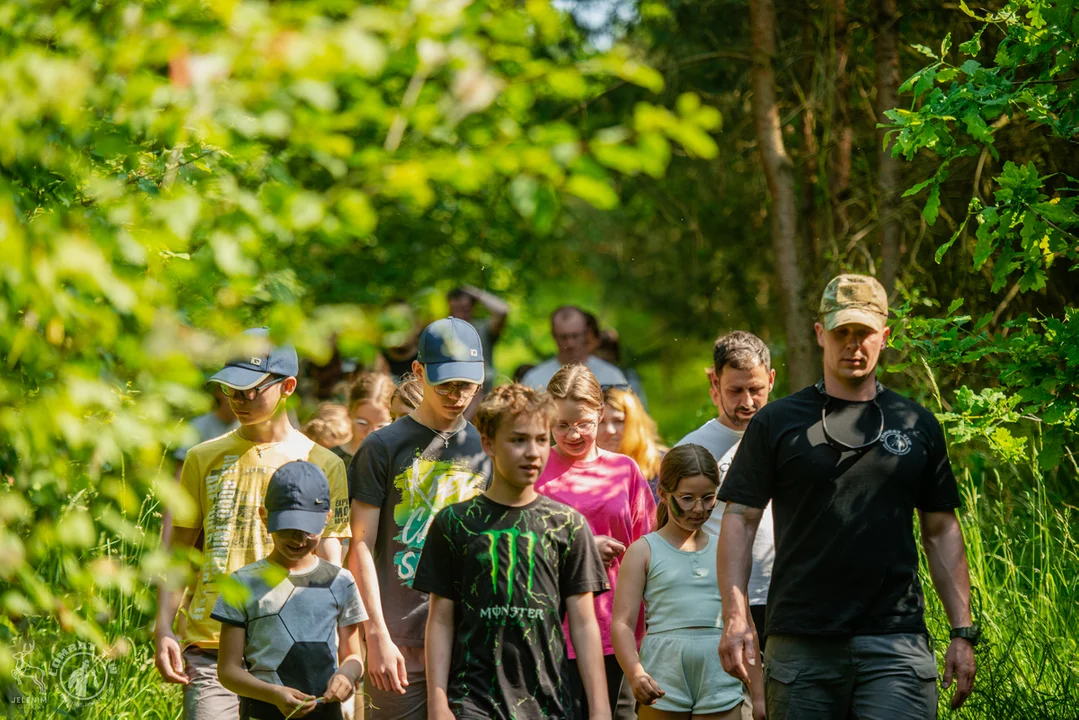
227 478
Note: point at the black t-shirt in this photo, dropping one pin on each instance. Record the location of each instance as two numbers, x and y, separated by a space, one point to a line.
411 473
846 561
508 571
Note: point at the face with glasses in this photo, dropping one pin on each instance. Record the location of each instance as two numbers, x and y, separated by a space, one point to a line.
366 418
449 399
258 404
575 428
691 503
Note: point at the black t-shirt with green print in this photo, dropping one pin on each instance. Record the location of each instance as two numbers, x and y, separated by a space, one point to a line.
508 571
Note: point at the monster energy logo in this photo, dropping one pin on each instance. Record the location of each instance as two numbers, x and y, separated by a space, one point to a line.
494 538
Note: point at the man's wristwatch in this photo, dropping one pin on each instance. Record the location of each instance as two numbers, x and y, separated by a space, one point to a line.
972 634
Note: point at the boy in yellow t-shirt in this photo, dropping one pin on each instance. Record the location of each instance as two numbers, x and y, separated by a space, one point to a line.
227 478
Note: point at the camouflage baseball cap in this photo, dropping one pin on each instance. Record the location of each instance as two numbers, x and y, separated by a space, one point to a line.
854 299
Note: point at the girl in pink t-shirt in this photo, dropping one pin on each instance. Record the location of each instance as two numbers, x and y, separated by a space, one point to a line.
610 491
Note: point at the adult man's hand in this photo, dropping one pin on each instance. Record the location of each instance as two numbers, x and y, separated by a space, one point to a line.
738 647
386 665
959 665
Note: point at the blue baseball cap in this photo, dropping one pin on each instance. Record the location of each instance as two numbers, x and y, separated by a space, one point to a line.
246 372
450 350
297 498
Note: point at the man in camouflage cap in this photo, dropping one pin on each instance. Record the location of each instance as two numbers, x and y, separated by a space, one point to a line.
845 464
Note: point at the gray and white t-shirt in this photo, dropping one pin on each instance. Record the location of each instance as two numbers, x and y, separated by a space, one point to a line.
292 621
723 443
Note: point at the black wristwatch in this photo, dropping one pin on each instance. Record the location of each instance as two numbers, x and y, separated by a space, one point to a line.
971 634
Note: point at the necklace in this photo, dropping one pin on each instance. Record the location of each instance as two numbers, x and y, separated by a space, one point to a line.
444 436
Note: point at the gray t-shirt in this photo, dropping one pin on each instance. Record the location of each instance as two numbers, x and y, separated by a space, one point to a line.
291 619
208 426
723 443
605 373
411 473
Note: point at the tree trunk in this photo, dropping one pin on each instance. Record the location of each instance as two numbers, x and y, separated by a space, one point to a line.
887 52
802 365
841 127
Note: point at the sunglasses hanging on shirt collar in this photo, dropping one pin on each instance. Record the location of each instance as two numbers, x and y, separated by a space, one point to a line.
836 442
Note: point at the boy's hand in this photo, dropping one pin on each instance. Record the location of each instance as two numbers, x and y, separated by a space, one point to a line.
386 665
294 704
169 659
609 549
645 690
338 689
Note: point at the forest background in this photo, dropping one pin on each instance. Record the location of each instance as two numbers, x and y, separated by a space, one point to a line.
172 172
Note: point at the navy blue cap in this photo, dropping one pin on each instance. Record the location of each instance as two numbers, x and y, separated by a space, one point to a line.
450 350
246 372
297 498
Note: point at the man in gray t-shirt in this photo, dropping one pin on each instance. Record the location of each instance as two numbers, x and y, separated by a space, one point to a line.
740 381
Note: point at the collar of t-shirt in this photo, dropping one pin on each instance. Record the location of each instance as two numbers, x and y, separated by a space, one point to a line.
724 430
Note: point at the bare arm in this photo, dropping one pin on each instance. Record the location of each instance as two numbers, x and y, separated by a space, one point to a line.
168 655
498 308
437 654
629 590
385 664
734 560
349 665
942 539
235 678
584 632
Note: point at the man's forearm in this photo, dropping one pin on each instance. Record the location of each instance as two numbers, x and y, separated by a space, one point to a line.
942 538
734 557
362 567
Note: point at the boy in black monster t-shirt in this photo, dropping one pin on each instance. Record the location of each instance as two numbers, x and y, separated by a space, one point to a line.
503 569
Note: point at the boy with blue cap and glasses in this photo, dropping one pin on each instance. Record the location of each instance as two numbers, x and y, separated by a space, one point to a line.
298 615
225 480
399 479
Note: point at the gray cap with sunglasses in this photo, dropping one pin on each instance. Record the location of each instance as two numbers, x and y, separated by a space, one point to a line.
264 360
297 498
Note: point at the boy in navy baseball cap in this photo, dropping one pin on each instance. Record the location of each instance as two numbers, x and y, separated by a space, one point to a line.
279 646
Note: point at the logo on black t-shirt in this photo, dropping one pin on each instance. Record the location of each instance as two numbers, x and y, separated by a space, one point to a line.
896 442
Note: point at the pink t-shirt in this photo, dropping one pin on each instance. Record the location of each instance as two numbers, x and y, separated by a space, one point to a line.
613 495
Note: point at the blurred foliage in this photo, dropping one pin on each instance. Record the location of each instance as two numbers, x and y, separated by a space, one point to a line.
173 172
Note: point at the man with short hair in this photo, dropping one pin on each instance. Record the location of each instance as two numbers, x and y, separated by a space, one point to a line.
576 333
845 464
462 301
740 379
400 477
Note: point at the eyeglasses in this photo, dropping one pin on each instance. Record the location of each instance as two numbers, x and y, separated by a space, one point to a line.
367 423
251 393
456 388
582 428
687 503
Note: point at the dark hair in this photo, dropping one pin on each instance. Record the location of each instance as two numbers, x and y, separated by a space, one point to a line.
521 371
681 462
459 292
590 321
509 401
741 350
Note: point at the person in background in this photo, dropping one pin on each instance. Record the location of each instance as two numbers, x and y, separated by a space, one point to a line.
330 426
627 429
399 479
462 301
609 348
520 371
369 407
610 491
847 464
576 333
225 480
677 673
397 359
406 396
212 424
484 664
